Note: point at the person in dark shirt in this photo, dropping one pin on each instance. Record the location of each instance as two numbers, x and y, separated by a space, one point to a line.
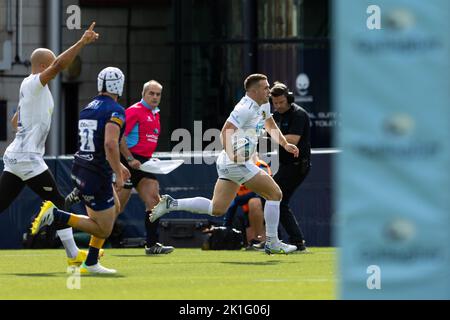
294 123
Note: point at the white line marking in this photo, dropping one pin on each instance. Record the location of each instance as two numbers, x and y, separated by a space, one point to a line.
296 280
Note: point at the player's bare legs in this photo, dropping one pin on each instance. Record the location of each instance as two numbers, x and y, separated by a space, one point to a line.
98 223
224 193
265 186
148 190
124 196
91 265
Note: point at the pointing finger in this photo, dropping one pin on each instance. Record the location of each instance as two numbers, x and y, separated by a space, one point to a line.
92 26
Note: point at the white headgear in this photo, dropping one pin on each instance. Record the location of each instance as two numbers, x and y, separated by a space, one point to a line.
111 80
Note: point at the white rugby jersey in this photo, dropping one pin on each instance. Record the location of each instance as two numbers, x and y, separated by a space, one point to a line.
35 113
248 116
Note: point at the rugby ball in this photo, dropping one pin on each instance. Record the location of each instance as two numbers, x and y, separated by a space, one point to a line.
243 148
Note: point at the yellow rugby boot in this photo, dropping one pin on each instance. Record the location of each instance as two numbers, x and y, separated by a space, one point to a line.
44 218
81 257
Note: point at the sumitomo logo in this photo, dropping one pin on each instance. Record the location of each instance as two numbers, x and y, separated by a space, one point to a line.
400 254
302 84
406 45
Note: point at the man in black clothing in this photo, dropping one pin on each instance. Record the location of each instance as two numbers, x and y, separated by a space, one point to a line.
293 122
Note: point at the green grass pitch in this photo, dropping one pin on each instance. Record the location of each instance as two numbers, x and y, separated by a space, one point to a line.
184 274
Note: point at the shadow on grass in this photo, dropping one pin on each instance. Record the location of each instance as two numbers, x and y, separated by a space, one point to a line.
103 275
262 263
137 255
64 274
43 274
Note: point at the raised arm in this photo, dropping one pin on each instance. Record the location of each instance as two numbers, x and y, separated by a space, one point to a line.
66 58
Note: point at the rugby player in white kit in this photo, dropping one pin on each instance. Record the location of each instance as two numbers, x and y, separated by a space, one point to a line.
250 116
23 159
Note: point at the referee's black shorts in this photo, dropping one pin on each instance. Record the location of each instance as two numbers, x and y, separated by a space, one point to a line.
136 175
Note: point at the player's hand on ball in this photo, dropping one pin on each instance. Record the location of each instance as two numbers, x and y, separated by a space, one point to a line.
291 148
89 35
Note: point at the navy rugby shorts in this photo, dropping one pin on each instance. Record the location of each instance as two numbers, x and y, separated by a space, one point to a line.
96 190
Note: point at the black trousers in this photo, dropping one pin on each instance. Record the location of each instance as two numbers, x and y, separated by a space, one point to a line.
43 185
289 177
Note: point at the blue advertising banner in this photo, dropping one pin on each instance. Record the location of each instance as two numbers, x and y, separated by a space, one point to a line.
391 88
311 203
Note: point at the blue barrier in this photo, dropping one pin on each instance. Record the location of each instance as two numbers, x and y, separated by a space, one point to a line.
311 203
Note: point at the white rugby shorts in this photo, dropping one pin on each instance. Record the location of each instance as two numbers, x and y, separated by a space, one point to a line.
24 165
237 172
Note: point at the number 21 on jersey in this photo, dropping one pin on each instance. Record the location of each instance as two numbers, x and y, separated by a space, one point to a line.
86 129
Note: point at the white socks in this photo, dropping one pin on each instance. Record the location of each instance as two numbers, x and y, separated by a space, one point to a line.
66 236
195 205
272 217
